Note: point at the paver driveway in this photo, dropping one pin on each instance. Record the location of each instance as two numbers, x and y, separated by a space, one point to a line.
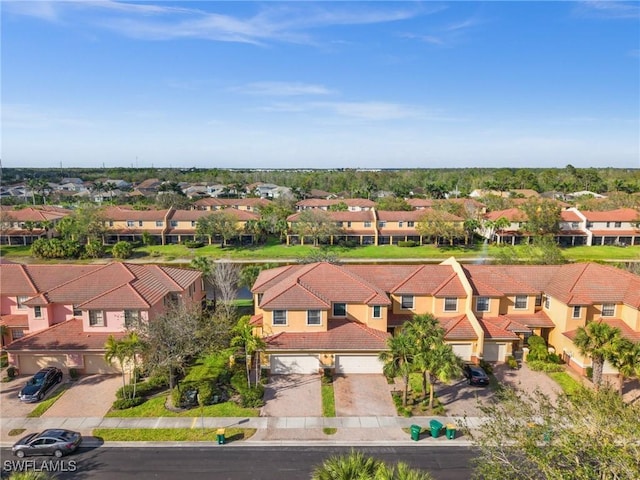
292 396
362 395
90 396
12 407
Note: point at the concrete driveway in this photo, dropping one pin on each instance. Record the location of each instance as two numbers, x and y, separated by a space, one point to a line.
12 407
362 395
89 396
292 396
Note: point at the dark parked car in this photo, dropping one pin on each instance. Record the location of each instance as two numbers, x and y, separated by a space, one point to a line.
40 384
55 441
475 375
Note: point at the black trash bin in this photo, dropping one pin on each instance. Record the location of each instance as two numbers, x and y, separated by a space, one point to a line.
436 428
415 432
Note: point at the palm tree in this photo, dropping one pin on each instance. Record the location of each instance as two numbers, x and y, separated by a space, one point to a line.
125 351
426 332
355 466
626 358
114 351
596 340
444 365
249 342
399 361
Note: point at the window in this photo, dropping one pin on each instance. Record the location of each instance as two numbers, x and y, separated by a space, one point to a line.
174 223
367 224
96 318
131 316
194 223
17 333
111 223
382 224
159 223
339 224
608 309
131 223
20 299
539 300
521 302
348 224
313 317
589 224
575 225
406 302
451 304
140 223
547 301
76 311
377 311
37 312
576 312
279 317
400 224
617 224
411 224
482 304
339 309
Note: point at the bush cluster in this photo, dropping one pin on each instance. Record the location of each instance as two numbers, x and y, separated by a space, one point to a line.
55 248
122 250
542 366
193 244
408 243
124 403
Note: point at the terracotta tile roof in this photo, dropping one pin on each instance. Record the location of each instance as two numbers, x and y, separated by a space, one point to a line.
239 215
616 232
401 216
66 335
267 278
511 214
112 286
458 328
395 232
626 331
534 320
256 320
15 280
321 202
343 216
231 202
14 320
123 214
341 335
492 281
619 215
437 280
420 202
569 216
397 319
30 214
499 328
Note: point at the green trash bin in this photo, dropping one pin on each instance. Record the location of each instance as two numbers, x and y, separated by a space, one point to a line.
220 436
415 432
451 431
436 428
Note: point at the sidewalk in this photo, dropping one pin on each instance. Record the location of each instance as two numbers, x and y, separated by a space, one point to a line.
352 425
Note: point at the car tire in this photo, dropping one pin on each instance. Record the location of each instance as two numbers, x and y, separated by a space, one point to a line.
57 453
59 379
20 453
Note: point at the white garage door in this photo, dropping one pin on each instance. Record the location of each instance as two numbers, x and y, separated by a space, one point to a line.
495 352
463 350
286 364
358 364
30 364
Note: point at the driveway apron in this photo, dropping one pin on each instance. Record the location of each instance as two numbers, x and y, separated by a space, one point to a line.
292 396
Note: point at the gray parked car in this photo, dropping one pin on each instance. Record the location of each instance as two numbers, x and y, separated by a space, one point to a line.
55 441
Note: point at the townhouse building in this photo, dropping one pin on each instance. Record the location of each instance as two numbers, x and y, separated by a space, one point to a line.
339 317
62 315
24 226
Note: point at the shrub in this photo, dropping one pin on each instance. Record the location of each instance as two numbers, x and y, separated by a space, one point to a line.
205 393
94 249
124 403
252 397
408 243
512 362
589 373
540 366
536 340
486 366
122 250
155 253
12 372
193 244
554 358
176 397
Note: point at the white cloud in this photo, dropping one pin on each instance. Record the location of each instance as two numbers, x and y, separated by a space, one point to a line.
446 35
608 9
282 89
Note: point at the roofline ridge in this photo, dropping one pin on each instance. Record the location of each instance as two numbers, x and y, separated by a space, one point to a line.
406 279
368 329
99 267
161 268
44 330
25 271
359 279
445 282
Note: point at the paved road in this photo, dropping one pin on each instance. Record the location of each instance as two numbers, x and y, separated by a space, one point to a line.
235 462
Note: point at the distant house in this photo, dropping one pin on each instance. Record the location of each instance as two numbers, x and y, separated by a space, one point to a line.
248 204
62 315
353 204
23 226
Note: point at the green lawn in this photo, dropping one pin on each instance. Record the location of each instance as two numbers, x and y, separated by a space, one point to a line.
328 401
154 407
568 384
277 251
170 434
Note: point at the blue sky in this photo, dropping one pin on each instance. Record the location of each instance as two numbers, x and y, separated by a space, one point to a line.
320 84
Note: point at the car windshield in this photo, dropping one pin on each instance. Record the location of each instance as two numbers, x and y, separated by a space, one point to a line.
477 373
37 380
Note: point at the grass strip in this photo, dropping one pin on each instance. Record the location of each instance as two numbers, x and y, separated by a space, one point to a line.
154 407
328 400
46 404
569 385
170 434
